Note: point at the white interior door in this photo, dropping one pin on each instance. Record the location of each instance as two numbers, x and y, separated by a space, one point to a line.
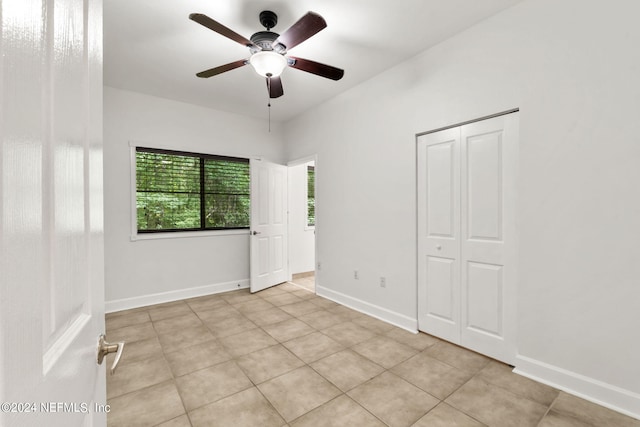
269 260
51 233
439 234
466 235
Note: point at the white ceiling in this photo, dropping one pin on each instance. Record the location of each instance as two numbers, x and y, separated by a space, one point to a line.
152 47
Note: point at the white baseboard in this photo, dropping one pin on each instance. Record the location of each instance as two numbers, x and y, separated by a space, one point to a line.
603 394
380 313
144 300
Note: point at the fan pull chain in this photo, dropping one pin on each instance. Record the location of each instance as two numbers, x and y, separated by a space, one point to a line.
269 99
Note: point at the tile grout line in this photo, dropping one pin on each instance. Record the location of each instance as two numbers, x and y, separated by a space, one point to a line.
548 410
270 404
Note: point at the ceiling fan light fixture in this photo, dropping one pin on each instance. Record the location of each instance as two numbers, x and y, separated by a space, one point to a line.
268 63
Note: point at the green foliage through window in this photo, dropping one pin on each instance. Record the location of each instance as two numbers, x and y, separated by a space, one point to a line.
311 196
178 191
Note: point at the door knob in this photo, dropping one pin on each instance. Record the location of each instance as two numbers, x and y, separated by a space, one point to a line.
438 247
105 348
255 232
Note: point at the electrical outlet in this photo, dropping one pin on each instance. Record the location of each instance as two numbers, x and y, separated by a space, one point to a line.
383 282
355 274
319 266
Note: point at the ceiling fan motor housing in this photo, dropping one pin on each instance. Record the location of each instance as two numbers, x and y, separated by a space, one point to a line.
264 40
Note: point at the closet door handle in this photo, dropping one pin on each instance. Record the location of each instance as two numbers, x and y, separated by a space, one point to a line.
255 233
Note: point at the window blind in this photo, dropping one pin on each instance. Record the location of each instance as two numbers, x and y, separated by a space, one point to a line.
179 191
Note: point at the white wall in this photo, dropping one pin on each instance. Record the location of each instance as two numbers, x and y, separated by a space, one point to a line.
150 271
572 68
301 237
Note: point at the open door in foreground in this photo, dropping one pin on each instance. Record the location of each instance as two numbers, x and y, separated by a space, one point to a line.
51 227
269 260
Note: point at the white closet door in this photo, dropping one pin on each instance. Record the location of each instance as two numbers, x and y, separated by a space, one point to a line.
488 298
439 234
466 235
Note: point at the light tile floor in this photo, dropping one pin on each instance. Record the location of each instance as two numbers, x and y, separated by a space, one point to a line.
286 357
305 280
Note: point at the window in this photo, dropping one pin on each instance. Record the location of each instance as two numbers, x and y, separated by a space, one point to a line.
178 191
311 196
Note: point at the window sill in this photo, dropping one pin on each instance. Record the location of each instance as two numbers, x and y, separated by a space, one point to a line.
187 234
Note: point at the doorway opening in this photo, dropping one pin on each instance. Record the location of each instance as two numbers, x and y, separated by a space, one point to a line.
302 222
305 280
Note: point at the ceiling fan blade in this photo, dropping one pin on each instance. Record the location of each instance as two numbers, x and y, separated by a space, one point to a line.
222 68
316 68
307 26
274 86
204 20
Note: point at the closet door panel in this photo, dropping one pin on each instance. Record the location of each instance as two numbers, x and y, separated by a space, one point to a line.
484 187
487 296
439 234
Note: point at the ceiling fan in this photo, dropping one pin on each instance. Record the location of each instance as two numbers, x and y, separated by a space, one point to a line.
269 50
